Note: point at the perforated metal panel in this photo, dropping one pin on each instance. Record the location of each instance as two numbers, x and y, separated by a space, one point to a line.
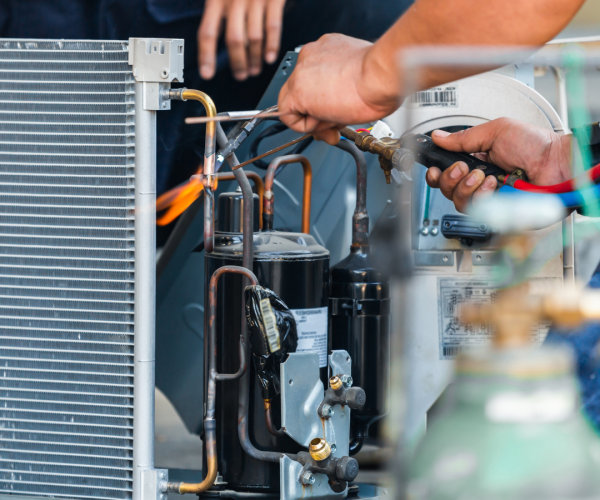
66 268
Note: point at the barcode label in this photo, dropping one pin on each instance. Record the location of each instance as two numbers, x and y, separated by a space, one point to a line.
270 323
446 97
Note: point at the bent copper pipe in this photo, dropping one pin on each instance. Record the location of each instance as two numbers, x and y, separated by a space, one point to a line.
258 182
268 210
213 377
208 174
269 420
360 218
245 380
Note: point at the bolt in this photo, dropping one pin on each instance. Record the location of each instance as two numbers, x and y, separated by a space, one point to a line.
425 231
347 381
333 448
308 478
326 411
434 231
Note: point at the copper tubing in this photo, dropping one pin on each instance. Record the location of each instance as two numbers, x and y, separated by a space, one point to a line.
268 210
213 377
360 218
269 420
273 151
258 182
208 176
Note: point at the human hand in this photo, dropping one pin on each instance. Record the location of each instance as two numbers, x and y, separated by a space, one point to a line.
510 144
337 81
252 26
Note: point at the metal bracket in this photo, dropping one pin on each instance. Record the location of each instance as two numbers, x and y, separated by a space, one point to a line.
301 394
292 489
156 62
340 363
154 484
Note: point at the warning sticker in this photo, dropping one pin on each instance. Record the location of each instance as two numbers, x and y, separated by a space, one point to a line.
445 97
456 337
312 331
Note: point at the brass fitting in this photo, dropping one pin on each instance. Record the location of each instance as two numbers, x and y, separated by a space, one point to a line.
335 383
319 449
267 403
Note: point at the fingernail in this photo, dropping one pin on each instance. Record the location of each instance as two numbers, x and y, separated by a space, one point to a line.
205 71
474 178
488 183
440 133
457 172
240 75
253 71
270 57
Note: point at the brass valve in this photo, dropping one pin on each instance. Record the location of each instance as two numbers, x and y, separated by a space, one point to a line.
335 382
391 154
319 449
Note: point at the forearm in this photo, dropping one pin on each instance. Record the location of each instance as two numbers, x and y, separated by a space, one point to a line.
460 22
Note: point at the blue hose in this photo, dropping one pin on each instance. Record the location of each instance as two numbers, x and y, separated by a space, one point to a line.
571 200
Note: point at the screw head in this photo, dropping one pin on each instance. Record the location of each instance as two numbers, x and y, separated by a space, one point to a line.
434 231
347 381
425 231
333 448
308 478
326 411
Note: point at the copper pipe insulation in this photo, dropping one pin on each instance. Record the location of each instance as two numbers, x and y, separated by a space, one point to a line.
360 219
268 210
277 149
258 183
213 377
208 172
269 420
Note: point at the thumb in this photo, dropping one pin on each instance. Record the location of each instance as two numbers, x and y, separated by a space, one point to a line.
472 140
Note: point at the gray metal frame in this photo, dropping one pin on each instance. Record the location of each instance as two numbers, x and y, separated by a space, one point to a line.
145 289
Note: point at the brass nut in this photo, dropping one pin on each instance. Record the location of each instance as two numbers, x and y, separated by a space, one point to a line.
319 449
335 382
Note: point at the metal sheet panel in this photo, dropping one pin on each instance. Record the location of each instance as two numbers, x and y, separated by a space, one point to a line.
67 236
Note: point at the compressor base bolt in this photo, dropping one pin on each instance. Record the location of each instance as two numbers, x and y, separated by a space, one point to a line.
308 478
326 411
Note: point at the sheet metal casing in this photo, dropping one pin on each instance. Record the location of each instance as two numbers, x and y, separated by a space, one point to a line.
302 281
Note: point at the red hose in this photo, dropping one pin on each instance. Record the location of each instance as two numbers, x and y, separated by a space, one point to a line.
564 187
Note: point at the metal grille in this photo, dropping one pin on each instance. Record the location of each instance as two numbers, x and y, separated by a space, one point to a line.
66 268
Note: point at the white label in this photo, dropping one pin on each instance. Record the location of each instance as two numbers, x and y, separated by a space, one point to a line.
456 337
270 323
312 331
444 97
